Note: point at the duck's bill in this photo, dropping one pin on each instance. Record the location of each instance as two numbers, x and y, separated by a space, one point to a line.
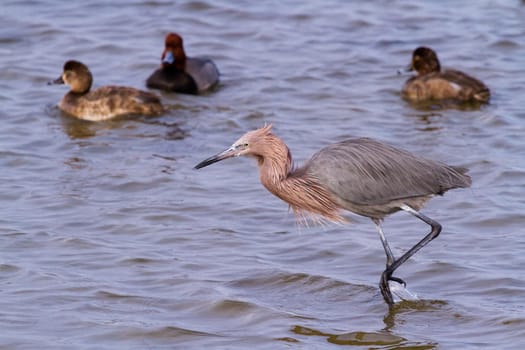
169 58
406 69
59 80
230 152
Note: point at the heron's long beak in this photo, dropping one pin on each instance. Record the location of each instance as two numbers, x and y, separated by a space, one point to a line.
59 80
230 152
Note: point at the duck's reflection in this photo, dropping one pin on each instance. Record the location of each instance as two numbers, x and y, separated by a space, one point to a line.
144 126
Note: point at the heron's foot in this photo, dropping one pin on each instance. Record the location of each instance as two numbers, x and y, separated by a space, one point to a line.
398 280
385 287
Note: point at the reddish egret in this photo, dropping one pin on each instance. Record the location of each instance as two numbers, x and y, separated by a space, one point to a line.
361 175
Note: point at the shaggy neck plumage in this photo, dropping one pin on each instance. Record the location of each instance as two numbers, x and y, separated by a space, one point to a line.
305 195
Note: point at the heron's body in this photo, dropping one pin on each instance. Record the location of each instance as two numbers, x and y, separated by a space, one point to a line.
372 179
360 175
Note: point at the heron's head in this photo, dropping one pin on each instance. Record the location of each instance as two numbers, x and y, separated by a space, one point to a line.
250 144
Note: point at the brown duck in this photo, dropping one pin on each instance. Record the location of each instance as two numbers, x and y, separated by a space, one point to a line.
105 102
432 83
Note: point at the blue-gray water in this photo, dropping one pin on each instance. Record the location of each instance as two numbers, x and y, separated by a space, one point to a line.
109 239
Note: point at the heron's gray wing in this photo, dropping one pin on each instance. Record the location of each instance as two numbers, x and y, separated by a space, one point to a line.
365 171
203 71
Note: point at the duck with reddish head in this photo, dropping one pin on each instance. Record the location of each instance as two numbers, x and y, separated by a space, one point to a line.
179 73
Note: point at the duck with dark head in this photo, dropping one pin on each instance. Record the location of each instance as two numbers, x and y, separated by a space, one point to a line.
433 83
105 102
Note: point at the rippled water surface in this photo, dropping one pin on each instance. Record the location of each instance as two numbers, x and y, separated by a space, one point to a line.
111 240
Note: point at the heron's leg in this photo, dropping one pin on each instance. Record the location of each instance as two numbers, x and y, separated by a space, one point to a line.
390 259
434 232
389 256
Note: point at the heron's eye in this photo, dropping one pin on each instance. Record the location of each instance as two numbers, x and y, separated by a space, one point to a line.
242 146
